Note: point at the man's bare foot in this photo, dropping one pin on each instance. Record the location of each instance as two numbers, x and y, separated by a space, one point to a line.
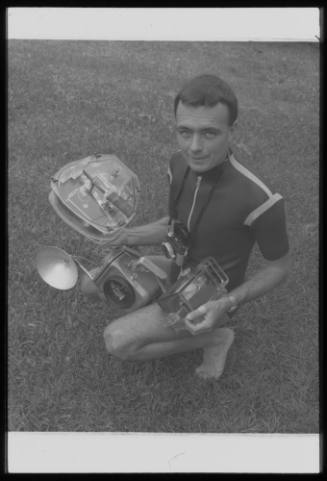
214 357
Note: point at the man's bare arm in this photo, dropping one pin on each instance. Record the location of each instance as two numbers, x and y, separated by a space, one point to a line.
148 234
272 274
153 233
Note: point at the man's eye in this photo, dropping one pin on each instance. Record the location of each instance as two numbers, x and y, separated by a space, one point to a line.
186 134
210 134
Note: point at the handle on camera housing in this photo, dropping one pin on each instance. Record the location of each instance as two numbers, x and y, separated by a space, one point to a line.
152 267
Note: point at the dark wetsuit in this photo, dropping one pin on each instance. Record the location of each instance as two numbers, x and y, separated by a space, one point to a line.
227 210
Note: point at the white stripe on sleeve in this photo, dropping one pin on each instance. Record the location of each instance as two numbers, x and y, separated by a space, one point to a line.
170 175
262 208
249 175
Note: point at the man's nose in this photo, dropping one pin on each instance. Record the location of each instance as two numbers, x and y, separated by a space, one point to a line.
196 144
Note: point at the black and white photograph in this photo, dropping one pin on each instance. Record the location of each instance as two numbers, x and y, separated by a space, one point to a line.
163 209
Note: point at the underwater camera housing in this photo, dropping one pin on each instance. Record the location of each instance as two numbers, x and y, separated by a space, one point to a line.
97 196
128 280
195 287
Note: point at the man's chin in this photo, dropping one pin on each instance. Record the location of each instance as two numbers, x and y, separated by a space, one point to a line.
199 168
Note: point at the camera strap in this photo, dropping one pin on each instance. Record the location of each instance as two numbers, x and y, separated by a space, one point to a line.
174 201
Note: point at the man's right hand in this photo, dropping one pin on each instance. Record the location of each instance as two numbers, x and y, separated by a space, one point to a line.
212 314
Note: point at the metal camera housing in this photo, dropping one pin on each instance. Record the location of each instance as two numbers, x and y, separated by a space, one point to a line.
130 281
195 287
97 196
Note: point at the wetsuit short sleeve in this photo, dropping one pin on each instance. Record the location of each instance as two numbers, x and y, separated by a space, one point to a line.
269 230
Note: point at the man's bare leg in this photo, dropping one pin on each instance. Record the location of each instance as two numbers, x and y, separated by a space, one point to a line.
214 357
144 335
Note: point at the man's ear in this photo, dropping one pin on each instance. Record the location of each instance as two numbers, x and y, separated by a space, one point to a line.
232 129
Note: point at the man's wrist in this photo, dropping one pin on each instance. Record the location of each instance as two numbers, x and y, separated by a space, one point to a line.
231 302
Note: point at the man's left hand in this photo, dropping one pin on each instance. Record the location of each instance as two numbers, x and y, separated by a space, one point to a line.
212 313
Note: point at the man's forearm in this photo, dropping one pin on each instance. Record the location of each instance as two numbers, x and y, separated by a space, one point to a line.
261 283
148 234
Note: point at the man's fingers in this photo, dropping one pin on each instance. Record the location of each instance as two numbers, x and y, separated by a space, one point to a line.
200 311
199 327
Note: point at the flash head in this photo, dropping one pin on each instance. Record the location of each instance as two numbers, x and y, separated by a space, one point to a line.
57 268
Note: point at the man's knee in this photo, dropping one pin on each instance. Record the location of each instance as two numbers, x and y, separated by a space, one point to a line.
117 343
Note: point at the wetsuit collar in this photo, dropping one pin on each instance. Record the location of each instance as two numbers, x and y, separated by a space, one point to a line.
213 174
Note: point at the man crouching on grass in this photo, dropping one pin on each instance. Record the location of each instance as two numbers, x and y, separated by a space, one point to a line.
226 210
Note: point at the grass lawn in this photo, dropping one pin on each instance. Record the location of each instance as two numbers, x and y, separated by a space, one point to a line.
70 99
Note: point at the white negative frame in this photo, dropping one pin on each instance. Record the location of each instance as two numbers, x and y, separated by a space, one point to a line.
88 452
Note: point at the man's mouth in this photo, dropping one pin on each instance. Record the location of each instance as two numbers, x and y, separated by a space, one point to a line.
199 158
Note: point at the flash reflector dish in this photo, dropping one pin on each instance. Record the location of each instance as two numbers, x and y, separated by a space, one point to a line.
57 268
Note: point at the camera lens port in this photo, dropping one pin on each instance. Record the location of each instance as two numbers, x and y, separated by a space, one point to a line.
120 292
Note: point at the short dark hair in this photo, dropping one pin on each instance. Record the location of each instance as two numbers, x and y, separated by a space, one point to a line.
208 90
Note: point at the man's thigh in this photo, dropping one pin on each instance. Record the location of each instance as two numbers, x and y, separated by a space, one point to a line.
146 325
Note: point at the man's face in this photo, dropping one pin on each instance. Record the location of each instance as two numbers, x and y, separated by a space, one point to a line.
203 134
